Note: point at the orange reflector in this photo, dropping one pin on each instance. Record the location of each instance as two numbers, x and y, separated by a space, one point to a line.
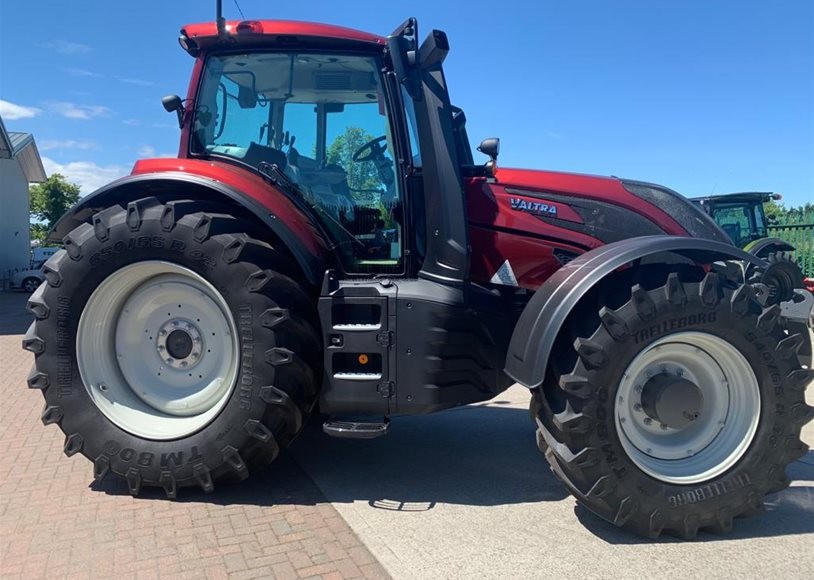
363 359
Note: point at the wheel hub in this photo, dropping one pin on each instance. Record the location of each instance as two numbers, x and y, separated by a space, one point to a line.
179 343
687 407
673 401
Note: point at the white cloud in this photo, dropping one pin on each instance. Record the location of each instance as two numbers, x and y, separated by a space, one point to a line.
12 111
74 111
48 144
86 174
554 135
80 72
132 122
138 82
146 151
66 47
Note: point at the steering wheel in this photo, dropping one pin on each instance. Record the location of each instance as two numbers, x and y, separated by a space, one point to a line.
375 150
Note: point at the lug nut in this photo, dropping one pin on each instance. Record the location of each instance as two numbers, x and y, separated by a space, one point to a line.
637 407
648 421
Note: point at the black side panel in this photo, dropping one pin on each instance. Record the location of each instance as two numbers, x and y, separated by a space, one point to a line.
451 346
544 315
175 185
427 346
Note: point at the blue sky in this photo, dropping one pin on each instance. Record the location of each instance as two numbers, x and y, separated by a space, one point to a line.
702 96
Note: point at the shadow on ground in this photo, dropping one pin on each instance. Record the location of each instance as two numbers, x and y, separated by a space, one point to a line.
470 456
478 456
14 318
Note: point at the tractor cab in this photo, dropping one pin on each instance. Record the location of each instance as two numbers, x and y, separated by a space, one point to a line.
740 215
321 119
339 121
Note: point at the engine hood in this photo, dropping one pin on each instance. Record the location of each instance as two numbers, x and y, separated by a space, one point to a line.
588 195
525 224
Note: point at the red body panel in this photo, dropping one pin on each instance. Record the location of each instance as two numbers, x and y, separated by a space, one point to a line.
499 232
208 31
245 182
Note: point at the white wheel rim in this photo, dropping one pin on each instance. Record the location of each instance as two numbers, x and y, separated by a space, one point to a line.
144 384
725 427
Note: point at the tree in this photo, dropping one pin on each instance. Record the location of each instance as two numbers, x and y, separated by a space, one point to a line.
361 175
48 201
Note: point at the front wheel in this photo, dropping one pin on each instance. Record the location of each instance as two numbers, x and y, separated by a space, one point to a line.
30 284
675 408
172 348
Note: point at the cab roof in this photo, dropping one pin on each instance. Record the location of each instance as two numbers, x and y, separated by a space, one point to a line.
258 32
739 197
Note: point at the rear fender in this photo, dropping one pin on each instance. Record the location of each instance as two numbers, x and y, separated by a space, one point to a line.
289 225
545 313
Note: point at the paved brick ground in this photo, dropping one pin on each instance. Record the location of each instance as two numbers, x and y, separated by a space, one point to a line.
55 522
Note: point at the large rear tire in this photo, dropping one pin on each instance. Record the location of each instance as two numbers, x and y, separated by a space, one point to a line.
172 348
673 407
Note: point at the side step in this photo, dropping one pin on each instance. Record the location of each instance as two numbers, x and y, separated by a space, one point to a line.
354 430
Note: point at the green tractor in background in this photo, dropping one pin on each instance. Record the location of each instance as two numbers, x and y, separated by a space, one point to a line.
743 217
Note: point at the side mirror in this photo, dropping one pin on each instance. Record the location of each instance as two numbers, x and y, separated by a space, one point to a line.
490 147
174 103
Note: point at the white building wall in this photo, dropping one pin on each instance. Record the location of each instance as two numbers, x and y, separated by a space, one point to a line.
15 247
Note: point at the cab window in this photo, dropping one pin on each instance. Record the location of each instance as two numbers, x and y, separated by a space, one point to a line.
322 120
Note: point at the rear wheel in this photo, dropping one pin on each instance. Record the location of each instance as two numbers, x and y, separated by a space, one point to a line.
673 407
172 348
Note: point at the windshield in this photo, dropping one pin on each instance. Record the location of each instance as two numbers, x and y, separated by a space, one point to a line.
322 119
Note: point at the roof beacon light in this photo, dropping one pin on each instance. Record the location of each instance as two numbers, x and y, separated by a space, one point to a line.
250 27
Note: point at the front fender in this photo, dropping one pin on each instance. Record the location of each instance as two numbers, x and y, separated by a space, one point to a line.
275 211
764 246
544 315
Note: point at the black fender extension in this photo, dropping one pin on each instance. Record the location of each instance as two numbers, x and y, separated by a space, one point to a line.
544 315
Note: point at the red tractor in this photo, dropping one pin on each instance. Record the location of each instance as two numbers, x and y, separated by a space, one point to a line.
324 242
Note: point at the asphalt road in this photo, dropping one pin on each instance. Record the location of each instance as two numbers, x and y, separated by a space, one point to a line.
466 494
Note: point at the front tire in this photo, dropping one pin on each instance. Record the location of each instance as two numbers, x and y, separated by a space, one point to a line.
639 379
171 347
30 284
